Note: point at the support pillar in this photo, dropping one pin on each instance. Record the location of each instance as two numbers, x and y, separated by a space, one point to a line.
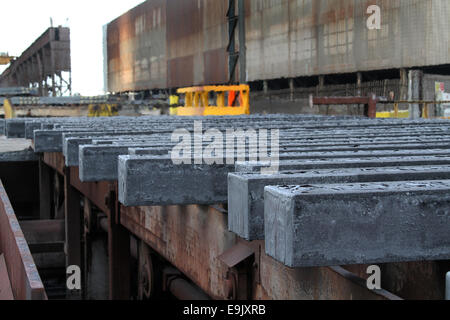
291 89
45 191
359 84
242 44
119 251
73 228
415 92
403 84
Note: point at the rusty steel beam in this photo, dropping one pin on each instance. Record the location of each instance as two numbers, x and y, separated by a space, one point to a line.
45 191
73 221
104 196
25 281
192 238
386 295
55 160
44 236
47 58
73 228
97 192
119 252
43 231
5 284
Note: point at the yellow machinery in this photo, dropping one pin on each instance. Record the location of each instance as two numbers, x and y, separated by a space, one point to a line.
103 110
405 113
9 110
197 101
5 58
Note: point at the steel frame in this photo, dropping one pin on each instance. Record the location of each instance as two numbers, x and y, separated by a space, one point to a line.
44 65
370 103
195 239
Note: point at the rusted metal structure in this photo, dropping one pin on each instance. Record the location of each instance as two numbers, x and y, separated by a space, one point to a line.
287 43
194 251
45 65
168 44
369 103
19 277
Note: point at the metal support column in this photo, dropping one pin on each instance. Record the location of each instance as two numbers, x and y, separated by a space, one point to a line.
233 56
242 44
119 251
45 191
73 227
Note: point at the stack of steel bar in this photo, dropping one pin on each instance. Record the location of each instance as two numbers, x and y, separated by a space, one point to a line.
348 190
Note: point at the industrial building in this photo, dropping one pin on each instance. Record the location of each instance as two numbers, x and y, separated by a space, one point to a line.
306 156
284 49
45 65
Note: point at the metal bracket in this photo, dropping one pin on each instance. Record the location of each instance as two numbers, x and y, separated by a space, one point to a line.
240 261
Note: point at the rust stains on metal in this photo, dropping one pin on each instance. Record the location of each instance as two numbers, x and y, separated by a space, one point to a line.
47 57
25 280
55 160
168 44
284 39
136 48
181 71
184 19
97 192
190 237
404 278
236 255
216 66
195 239
196 42
5 284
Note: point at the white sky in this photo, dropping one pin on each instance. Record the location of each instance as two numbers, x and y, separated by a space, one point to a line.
23 21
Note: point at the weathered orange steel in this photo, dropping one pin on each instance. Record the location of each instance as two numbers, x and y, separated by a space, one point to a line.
25 281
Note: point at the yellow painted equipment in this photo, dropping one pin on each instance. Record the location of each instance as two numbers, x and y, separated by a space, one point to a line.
174 100
197 101
103 110
9 110
405 113
4 60
401 114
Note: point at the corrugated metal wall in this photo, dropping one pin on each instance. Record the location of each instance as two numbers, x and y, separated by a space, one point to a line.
137 48
178 43
289 38
197 37
167 44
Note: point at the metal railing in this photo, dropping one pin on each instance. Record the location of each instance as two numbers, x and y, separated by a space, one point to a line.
425 109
